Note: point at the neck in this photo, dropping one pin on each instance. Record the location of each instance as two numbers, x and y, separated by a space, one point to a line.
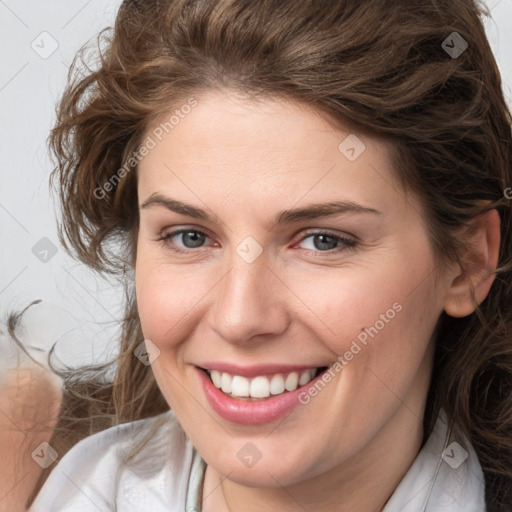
363 483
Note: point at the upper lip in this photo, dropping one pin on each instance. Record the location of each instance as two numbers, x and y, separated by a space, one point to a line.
257 369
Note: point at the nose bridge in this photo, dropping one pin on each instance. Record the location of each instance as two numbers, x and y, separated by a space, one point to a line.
247 302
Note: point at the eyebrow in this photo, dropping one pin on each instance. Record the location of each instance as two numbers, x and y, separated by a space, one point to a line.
313 211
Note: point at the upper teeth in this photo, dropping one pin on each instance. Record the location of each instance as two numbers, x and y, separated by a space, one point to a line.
261 386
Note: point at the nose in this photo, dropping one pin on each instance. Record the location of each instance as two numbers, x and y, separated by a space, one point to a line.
249 303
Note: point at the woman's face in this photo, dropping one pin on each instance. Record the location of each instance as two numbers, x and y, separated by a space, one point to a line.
299 251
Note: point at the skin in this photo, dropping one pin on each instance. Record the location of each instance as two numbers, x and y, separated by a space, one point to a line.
29 404
243 162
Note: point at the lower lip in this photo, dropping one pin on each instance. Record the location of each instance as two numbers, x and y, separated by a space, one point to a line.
251 412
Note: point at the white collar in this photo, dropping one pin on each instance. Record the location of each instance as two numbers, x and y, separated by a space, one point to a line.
446 476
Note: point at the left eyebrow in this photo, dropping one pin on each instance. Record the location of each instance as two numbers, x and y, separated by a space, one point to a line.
316 211
313 211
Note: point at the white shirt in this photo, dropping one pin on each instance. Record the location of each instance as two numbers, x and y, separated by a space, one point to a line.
167 475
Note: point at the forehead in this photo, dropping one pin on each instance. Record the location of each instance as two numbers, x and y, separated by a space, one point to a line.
246 151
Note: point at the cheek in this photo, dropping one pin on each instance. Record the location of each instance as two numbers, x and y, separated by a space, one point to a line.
165 299
378 324
391 308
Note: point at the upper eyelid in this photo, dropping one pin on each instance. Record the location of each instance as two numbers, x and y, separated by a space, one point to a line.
171 232
331 232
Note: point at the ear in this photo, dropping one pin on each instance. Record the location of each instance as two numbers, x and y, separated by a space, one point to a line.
473 281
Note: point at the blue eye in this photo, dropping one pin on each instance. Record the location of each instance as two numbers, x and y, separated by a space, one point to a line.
190 238
327 242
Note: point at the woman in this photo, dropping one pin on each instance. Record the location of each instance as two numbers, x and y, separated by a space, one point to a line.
305 201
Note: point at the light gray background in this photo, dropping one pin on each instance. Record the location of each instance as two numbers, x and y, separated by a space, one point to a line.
78 309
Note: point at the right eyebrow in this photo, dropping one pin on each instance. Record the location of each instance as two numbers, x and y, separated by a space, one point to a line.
177 207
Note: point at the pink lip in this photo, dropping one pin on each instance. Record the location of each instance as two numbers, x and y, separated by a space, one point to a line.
247 412
255 370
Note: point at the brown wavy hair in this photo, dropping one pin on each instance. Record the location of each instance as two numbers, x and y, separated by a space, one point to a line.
379 66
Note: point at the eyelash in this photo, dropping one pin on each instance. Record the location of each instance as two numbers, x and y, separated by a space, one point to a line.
345 243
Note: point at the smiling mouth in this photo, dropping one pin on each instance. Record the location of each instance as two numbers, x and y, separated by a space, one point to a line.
263 386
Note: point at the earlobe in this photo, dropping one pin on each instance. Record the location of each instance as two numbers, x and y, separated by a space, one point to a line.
473 282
